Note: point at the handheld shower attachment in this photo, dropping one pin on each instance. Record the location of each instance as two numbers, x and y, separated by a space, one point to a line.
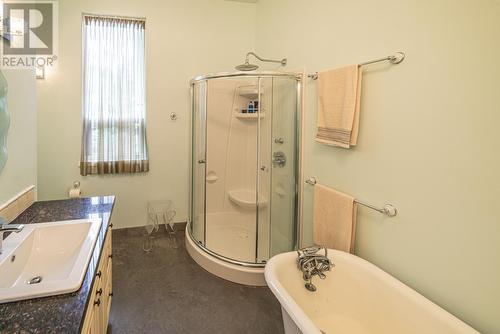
252 67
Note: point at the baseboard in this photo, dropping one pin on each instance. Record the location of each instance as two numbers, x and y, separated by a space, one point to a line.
139 230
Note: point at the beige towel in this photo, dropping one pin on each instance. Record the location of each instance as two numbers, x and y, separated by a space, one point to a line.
339 93
334 219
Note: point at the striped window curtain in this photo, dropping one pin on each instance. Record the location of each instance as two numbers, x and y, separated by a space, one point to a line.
114 96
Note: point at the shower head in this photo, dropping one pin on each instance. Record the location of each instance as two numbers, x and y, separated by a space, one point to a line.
246 67
251 67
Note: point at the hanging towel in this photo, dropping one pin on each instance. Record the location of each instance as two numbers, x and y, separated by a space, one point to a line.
334 221
339 93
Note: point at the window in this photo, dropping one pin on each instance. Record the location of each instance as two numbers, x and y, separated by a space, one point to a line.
114 96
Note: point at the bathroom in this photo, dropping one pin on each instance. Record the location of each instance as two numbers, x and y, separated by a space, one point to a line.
200 234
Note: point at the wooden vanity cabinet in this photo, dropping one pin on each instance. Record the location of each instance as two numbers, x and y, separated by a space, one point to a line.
97 312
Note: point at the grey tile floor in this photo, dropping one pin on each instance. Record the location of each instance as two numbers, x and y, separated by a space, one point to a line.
165 291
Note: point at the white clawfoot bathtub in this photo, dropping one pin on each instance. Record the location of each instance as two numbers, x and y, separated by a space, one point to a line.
355 298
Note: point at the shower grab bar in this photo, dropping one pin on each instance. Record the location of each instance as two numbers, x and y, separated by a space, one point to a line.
388 209
396 58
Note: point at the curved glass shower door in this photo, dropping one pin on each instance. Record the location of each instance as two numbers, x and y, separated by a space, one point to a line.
245 166
198 158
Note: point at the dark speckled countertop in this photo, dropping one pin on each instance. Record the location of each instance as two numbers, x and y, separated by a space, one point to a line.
62 313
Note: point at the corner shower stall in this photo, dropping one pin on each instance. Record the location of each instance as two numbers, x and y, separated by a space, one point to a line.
244 171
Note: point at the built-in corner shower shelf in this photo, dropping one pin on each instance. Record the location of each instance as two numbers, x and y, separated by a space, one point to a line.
246 198
254 115
249 92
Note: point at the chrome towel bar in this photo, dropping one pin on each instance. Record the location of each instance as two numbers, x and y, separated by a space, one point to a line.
396 58
388 209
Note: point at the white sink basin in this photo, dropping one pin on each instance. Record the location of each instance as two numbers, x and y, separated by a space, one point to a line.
53 256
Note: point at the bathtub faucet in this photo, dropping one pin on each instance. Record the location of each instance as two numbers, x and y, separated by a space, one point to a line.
312 263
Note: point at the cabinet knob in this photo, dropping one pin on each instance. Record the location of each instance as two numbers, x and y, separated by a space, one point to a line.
111 294
99 274
110 256
99 292
111 225
98 302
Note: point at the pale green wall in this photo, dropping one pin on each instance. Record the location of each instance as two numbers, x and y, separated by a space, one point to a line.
429 139
20 169
183 39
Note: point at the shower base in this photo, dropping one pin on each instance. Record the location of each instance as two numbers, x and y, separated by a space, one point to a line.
222 240
231 234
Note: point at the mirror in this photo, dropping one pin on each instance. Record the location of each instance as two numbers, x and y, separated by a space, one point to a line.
4 121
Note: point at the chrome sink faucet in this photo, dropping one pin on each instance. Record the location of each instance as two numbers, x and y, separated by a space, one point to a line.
4 227
312 263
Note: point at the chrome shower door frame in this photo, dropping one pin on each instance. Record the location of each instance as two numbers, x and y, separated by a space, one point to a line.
298 77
